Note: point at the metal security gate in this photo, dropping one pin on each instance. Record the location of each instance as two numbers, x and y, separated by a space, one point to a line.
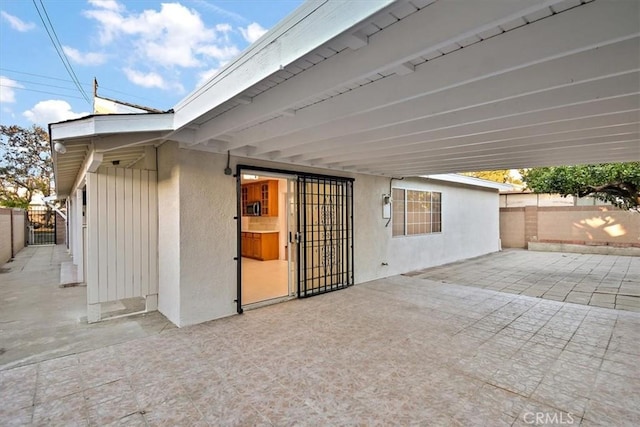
42 226
325 230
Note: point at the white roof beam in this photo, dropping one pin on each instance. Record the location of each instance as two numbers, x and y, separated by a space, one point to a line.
500 139
355 41
612 156
609 154
626 84
310 26
90 165
497 148
548 39
397 44
473 121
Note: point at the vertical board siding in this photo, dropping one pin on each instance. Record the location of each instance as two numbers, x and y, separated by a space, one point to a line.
103 238
128 233
112 237
136 224
78 225
144 235
120 228
153 236
123 234
93 239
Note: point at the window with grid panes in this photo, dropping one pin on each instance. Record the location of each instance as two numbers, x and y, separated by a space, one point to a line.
416 212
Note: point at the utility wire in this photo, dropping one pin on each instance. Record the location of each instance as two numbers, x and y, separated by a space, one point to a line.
71 81
37 75
40 91
58 47
42 84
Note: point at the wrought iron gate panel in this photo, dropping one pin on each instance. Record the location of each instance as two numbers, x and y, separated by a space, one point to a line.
325 226
42 226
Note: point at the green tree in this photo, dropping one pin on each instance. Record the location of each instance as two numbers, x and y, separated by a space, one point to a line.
503 176
26 168
617 183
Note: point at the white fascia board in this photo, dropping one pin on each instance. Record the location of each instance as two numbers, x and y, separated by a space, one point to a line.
110 124
469 180
307 28
90 165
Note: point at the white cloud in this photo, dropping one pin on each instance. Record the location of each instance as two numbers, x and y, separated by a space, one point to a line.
253 32
151 80
51 111
107 4
86 58
172 36
224 12
17 23
224 30
7 92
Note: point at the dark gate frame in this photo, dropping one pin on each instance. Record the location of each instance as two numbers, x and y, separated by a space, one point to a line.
347 253
37 219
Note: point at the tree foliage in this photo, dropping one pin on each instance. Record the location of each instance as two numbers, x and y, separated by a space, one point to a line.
503 176
26 168
617 183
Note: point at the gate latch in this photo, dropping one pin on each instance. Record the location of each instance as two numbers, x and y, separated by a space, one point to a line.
294 237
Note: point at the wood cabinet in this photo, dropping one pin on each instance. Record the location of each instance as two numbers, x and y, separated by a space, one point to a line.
262 246
265 192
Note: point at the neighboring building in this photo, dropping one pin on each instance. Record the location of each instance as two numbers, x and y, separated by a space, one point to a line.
275 178
519 199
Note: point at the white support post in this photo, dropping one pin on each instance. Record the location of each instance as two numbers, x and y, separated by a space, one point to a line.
151 302
94 313
78 246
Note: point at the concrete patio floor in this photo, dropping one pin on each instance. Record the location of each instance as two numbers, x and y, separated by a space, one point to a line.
397 351
608 281
39 320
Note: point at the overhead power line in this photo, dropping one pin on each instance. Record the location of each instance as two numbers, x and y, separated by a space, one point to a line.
71 81
20 81
41 91
58 47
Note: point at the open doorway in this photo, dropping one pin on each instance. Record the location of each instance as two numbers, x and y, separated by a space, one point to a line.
267 207
295 235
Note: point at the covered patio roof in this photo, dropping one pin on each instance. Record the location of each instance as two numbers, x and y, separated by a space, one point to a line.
425 87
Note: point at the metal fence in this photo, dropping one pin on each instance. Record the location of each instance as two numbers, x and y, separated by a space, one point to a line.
42 226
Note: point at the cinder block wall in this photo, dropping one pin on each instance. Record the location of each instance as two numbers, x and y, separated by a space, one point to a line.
581 225
11 233
5 235
61 230
512 228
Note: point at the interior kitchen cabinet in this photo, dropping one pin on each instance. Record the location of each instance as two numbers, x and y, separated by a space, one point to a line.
265 192
261 245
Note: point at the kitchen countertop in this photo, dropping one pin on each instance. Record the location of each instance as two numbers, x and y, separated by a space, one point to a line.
260 231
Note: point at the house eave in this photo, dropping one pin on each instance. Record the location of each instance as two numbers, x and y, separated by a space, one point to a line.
96 125
469 180
97 138
304 30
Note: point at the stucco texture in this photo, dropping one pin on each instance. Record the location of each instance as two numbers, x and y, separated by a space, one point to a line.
201 230
169 231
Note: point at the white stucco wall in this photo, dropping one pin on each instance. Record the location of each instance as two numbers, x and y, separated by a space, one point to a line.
207 238
169 231
470 227
203 284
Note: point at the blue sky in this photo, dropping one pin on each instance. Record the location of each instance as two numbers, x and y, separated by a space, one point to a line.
144 52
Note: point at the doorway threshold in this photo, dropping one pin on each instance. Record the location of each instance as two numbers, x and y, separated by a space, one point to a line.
271 301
